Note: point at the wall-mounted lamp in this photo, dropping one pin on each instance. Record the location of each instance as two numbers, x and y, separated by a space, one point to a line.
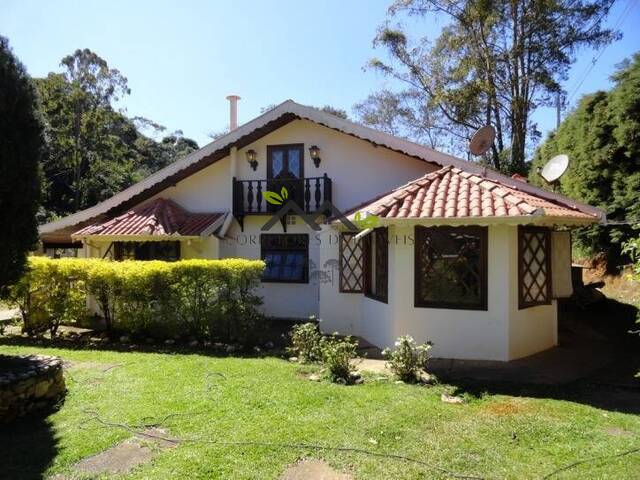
314 152
252 159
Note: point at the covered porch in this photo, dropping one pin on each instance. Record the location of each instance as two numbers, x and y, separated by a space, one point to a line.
157 230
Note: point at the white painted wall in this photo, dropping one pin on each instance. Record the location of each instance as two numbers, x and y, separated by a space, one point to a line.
339 312
533 329
359 170
464 334
208 190
502 332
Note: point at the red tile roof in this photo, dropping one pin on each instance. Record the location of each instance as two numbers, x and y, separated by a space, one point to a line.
160 217
454 193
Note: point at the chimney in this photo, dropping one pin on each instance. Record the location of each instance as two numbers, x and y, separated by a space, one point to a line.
233 111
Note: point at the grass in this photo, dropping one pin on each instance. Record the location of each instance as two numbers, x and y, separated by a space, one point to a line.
221 400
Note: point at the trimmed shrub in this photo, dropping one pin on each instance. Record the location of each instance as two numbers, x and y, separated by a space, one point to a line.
305 342
408 359
49 294
202 298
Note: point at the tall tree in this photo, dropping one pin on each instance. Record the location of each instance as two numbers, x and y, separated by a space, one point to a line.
494 62
602 139
95 150
21 148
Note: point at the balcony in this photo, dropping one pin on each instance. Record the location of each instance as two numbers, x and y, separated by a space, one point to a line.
310 194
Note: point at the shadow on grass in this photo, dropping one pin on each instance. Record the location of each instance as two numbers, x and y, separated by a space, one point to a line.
28 445
604 397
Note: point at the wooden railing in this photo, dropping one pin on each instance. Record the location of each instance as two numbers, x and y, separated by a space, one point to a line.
309 194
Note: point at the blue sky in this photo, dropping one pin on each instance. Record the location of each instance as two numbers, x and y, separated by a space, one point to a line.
183 57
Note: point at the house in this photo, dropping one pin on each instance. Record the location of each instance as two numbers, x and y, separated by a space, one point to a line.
450 251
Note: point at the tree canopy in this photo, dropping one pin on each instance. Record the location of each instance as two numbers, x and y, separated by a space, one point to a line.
21 148
602 138
95 150
494 62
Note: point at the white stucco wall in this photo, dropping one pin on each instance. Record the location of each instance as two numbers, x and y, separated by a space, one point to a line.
502 332
532 329
359 170
465 334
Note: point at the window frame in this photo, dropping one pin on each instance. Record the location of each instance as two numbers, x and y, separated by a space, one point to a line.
482 233
366 247
522 230
305 249
118 245
345 238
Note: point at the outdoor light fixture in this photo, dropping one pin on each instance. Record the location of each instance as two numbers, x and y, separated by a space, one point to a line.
314 151
251 158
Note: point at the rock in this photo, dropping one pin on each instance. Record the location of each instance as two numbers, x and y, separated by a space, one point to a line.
230 348
194 343
359 381
125 339
268 345
257 349
446 398
206 344
293 359
424 377
169 341
314 377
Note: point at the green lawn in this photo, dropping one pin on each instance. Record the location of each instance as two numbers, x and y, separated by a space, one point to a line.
268 400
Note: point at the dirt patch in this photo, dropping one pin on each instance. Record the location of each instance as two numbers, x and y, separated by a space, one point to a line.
313 469
509 407
619 432
125 456
103 367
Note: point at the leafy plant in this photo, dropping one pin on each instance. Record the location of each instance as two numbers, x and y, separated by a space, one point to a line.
203 298
305 342
337 353
408 359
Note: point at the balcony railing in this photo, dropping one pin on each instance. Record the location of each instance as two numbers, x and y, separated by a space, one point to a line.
308 193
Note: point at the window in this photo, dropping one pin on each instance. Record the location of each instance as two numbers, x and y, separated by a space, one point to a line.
285 168
285 161
167 251
61 250
534 267
351 255
376 264
451 267
286 257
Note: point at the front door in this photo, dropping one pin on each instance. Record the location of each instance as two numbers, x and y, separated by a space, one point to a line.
285 168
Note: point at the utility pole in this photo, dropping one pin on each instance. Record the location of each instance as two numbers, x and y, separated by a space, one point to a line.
558 108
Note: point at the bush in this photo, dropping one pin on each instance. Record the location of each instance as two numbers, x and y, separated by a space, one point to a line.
337 353
408 359
201 298
305 342
49 294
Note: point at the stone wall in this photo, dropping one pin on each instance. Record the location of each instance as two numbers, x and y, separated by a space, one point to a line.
28 383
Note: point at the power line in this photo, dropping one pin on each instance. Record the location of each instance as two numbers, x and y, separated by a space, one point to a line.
598 55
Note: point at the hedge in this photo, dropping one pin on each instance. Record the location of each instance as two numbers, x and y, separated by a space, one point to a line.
211 299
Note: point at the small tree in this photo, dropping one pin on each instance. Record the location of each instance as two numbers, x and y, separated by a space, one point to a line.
21 149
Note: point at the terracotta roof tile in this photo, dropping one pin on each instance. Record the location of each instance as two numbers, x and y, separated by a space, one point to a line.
454 193
160 217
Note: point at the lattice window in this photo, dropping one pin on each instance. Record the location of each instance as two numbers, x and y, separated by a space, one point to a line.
451 267
376 265
351 259
534 266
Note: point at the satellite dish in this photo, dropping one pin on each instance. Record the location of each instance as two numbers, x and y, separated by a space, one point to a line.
482 140
555 168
